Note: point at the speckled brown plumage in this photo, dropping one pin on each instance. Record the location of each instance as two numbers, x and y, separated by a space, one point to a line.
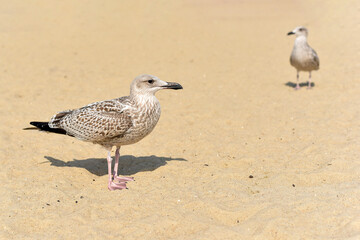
115 122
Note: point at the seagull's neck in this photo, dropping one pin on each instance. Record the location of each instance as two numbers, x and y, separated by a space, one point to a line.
300 40
148 100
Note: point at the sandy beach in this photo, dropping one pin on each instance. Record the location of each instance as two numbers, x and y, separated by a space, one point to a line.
237 154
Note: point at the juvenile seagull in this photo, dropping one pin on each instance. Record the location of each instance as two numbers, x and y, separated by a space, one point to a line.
303 57
116 122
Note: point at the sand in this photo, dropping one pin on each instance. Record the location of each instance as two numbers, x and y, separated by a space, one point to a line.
236 116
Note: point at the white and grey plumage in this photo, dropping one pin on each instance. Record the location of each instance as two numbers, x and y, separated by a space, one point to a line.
116 122
303 57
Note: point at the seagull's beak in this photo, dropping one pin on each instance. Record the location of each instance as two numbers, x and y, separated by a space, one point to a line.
290 33
172 85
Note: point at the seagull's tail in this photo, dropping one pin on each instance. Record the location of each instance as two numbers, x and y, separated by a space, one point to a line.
44 126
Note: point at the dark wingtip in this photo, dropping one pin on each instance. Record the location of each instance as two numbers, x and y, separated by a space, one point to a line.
44 126
33 123
40 125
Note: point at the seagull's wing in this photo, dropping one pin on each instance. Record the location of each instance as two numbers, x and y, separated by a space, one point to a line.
315 58
98 121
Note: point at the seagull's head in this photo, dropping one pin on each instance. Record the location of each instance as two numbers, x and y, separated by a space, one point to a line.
299 31
149 84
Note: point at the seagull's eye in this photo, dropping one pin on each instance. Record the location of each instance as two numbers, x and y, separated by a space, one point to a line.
150 81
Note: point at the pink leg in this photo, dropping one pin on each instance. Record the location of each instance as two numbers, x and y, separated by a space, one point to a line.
116 177
117 157
309 86
113 186
297 81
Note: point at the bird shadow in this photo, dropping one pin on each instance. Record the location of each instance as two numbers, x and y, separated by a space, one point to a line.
303 84
128 164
